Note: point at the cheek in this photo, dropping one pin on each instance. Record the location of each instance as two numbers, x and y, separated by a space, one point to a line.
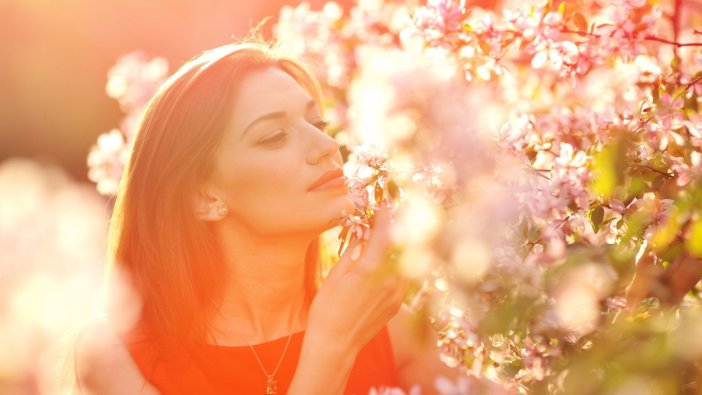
262 185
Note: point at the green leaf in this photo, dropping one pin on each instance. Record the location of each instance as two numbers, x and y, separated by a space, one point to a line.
666 233
508 315
605 179
693 244
580 21
393 190
608 168
637 186
378 195
596 216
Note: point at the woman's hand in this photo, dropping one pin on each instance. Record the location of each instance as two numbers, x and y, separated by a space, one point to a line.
359 296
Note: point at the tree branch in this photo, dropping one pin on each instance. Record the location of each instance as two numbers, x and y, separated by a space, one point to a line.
647 38
675 43
693 82
676 24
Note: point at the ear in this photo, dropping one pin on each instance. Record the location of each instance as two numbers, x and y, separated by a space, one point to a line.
209 208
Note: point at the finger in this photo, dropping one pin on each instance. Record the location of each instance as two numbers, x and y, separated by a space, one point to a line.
351 254
378 241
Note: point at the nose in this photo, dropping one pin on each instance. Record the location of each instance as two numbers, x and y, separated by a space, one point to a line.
322 146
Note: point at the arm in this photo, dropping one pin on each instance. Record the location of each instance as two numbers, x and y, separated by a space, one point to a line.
323 368
103 365
356 300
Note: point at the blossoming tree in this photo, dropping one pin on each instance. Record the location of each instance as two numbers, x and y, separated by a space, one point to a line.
545 161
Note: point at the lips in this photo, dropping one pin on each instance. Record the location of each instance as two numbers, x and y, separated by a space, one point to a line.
327 176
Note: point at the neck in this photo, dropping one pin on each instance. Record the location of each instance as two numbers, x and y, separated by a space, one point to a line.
264 295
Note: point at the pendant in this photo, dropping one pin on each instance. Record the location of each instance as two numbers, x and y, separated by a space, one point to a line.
271 386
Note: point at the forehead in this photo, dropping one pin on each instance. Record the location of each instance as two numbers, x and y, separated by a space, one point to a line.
264 91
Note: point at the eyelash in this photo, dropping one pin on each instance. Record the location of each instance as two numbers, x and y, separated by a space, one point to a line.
321 125
275 138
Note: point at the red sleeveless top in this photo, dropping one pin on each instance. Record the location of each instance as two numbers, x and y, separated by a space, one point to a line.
210 369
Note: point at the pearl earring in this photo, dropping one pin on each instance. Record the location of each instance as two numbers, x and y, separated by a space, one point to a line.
222 210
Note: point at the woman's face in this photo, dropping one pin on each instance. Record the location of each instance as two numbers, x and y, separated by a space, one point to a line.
273 150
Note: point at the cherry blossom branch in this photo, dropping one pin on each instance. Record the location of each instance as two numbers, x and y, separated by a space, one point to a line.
676 24
675 43
647 38
653 169
560 223
691 83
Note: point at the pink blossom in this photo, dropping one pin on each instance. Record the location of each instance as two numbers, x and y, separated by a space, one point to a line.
133 80
461 386
106 161
686 172
668 110
629 3
415 390
694 128
570 176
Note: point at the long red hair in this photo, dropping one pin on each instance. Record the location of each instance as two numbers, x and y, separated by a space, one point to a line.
171 258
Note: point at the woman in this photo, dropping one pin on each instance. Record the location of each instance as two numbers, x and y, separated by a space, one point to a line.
230 182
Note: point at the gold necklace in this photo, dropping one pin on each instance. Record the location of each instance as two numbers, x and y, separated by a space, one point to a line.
271 383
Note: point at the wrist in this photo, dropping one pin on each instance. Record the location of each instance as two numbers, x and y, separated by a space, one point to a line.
324 366
330 345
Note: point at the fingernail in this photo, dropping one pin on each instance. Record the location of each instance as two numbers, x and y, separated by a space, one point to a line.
356 253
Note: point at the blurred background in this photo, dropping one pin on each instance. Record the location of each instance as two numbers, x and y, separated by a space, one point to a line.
53 105
56 54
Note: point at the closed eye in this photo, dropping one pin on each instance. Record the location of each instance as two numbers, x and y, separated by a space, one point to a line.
277 138
321 125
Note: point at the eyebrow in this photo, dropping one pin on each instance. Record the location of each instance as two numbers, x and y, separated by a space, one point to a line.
274 115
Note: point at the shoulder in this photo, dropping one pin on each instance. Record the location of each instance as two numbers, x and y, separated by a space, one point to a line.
103 363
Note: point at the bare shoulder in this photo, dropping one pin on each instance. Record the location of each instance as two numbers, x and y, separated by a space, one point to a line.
104 366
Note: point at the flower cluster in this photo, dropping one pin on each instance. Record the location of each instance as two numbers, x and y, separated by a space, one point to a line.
539 158
132 82
597 121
